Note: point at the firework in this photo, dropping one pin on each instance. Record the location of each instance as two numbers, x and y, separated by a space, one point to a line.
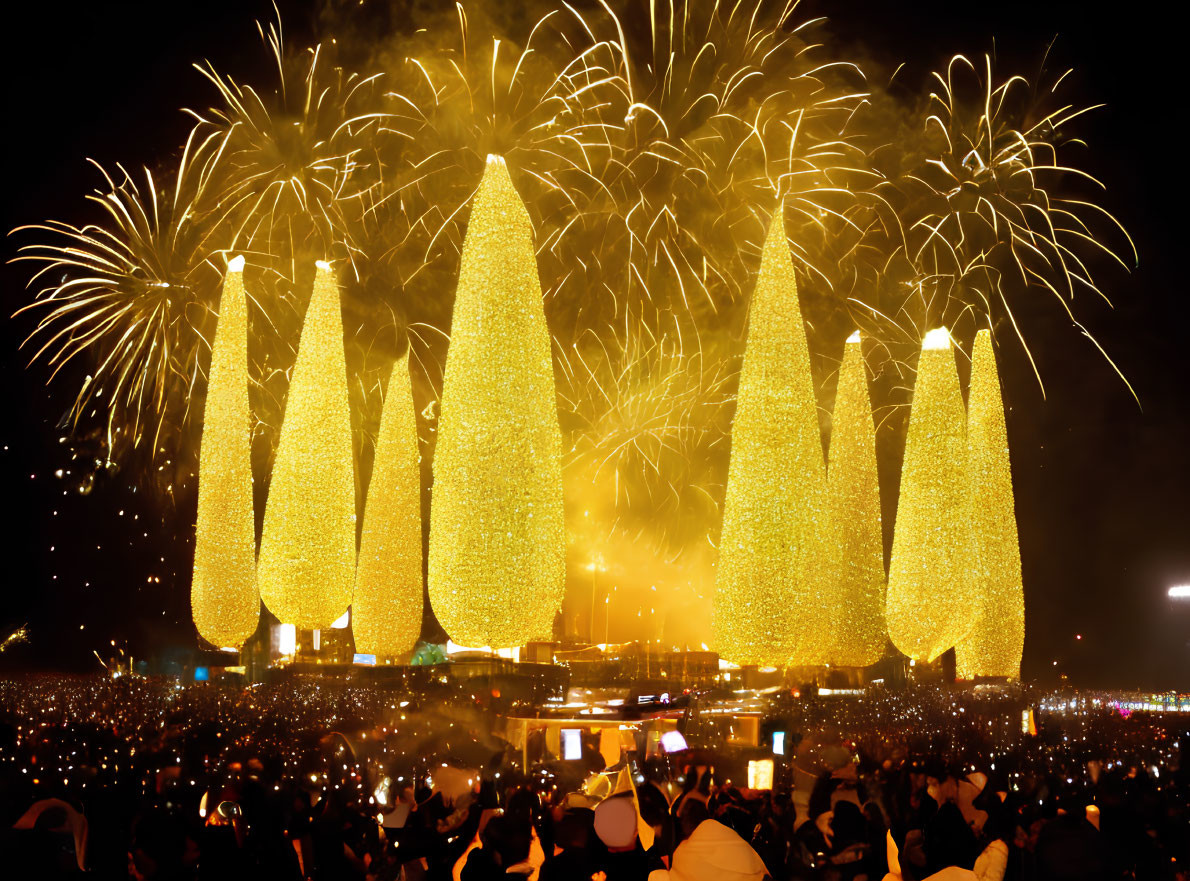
647 423
18 636
135 299
989 208
718 111
293 174
643 148
648 143
459 94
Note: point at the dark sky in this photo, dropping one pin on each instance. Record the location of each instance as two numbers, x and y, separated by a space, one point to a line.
1102 485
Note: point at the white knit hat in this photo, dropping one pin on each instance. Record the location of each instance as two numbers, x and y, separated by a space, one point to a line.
713 853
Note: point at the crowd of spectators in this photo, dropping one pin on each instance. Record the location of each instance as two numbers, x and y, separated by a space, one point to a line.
147 779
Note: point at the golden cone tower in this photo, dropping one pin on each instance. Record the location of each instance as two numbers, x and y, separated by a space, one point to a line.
768 607
930 596
223 597
856 598
997 639
386 609
306 569
497 536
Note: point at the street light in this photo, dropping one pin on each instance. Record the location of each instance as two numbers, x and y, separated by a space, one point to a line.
596 566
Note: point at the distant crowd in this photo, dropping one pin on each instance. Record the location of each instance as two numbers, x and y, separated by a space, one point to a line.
145 779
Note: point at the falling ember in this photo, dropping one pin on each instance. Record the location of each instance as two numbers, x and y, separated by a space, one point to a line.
931 595
497 532
387 604
223 597
996 641
306 569
18 636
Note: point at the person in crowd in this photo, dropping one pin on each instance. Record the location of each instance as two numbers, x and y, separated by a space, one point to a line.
713 852
139 780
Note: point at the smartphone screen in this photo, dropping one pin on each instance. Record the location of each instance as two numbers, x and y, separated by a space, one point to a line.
572 743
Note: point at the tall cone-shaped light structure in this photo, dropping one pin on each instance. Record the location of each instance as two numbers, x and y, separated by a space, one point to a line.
497 535
997 639
856 601
767 607
223 597
930 597
306 569
387 606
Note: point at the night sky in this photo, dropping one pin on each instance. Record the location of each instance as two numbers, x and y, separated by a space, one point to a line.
1102 486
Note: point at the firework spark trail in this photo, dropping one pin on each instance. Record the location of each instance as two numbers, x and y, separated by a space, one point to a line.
985 208
538 107
135 297
18 636
291 174
722 110
646 185
649 153
648 425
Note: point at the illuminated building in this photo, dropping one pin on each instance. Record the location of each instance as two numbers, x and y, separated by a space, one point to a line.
768 608
856 596
931 595
997 639
306 568
223 597
387 605
497 536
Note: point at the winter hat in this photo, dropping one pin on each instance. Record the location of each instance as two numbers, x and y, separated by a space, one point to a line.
615 822
713 853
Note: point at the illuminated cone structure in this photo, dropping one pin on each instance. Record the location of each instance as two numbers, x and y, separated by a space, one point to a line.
856 600
768 608
931 601
387 606
996 641
223 597
306 569
497 536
